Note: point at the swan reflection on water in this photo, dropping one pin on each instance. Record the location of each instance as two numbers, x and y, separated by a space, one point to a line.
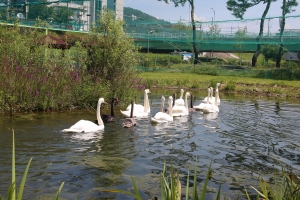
93 136
210 116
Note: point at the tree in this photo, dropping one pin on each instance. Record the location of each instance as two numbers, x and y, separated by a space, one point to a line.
214 30
239 7
3 13
287 7
191 2
270 52
41 10
240 36
112 54
62 15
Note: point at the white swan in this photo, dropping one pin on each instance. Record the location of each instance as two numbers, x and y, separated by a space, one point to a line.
202 105
181 110
85 126
212 108
139 107
161 116
180 101
211 98
138 113
217 94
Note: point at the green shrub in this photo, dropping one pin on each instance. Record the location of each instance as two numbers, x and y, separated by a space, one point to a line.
230 86
40 77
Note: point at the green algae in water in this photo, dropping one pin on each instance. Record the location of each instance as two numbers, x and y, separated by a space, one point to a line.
111 164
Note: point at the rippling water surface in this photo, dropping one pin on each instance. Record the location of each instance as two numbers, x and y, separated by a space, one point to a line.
248 138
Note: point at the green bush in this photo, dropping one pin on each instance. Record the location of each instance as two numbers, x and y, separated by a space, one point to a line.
279 74
160 60
230 86
39 77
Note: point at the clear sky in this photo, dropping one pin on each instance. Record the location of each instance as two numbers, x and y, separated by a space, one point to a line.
206 10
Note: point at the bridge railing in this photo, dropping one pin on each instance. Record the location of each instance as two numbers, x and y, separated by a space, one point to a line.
181 36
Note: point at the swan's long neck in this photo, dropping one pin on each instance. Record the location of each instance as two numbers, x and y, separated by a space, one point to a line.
132 107
146 102
185 102
112 112
216 99
208 94
211 93
217 92
162 105
217 87
174 97
181 94
100 122
170 107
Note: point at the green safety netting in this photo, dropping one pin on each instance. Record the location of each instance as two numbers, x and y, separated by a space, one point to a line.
226 35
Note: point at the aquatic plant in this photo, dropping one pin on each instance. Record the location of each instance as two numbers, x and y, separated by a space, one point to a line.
170 186
11 195
284 187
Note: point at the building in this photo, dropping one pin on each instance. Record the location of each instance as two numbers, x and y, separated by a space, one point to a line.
85 12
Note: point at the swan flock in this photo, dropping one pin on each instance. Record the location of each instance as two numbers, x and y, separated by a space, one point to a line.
176 108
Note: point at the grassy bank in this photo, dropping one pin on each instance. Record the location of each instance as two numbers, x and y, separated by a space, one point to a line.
234 84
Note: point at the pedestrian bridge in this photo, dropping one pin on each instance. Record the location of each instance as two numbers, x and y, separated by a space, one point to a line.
165 42
168 42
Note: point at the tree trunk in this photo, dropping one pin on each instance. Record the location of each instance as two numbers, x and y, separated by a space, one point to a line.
261 30
196 51
282 24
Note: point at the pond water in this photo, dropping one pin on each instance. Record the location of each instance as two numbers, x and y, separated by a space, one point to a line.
249 137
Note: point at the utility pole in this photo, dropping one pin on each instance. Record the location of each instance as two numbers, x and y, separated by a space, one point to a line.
214 15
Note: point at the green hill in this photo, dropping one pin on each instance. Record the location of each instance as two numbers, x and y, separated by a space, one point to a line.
138 21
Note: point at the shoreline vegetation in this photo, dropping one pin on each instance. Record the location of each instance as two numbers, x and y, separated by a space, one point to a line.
104 62
245 86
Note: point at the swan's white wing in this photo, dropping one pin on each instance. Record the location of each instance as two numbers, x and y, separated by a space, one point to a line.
211 100
125 113
201 106
137 114
179 111
141 114
161 117
179 102
84 126
137 107
211 109
178 108
205 100
158 120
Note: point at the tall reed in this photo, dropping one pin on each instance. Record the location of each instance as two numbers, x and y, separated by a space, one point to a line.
11 195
